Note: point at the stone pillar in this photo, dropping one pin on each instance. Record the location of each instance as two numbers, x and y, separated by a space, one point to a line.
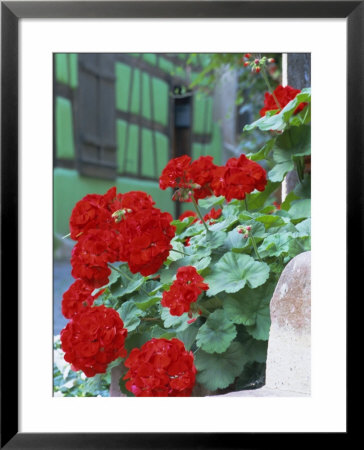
289 347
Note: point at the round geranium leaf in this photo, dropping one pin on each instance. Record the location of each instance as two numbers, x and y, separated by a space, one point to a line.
251 308
233 271
217 333
218 370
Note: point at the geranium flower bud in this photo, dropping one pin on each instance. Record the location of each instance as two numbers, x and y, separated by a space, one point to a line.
257 69
271 60
247 55
256 61
248 228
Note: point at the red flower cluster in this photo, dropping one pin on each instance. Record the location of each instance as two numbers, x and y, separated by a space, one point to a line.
184 291
160 368
145 240
115 227
90 256
238 177
283 95
78 296
196 177
93 338
93 211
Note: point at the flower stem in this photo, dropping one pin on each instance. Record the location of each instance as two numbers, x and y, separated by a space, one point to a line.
246 203
254 245
199 213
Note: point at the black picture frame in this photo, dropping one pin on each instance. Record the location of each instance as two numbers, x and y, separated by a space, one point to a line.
11 12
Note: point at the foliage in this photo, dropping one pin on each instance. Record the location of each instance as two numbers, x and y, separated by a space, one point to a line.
240 256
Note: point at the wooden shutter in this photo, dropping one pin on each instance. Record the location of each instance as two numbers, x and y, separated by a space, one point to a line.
96 155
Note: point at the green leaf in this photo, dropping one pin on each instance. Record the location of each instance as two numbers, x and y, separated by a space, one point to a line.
130 315
174 256
270 220
218 370
137 339
212 239
216 334
211 202
251 308
161 333
192 230
223 225
256 350
126 284
233 271
263 152
291 196
275 244
182 225
293 142
300 209
279 171
188 335
304 228
147 302
178 323
258 199
235 241
267 123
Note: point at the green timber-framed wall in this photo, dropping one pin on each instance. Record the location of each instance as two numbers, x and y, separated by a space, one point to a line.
114 119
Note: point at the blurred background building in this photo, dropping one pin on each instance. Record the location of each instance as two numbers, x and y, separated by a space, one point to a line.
118 120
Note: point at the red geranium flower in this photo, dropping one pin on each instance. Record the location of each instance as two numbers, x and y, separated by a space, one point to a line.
283 95
188 178
160 368
183 291
91 254
78 296
91 212
93 338
201 173
240 176
132 201
175 174
145 240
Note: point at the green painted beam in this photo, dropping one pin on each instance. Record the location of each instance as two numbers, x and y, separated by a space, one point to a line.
64 129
